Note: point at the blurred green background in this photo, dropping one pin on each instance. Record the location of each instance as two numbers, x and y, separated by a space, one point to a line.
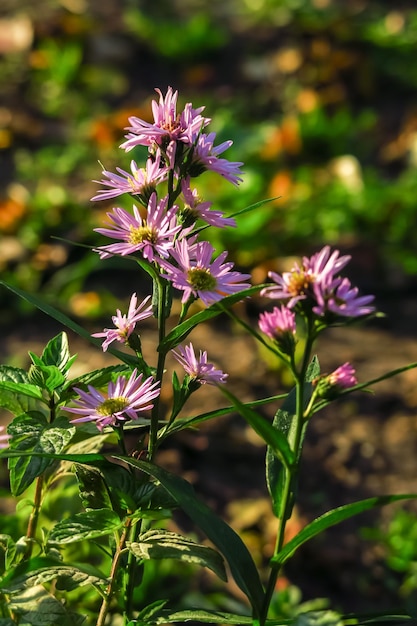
319 97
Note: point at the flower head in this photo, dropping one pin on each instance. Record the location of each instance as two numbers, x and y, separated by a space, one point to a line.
198 369
279 325
198 277
343 377
317 283
152 236
125 324
125 399
140 181
340 298
168 125
205 157
4 439
195 208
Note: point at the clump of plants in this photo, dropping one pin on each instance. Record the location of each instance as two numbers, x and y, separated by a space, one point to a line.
73 436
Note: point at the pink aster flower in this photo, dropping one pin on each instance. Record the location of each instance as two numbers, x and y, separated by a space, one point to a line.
125 324
340 298
141 181
198 369
168 124
152 236
343 377
198 277
205 157
125 399
277 323
317 282
195 209
4 439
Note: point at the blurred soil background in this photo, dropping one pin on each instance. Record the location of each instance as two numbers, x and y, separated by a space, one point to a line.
320 99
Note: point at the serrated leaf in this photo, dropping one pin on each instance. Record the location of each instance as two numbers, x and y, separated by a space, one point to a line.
93 492
57 353
89 525
39 608
10 399
331 518
8 547
47 377
284 422
32 433
220 534
41 570
162 544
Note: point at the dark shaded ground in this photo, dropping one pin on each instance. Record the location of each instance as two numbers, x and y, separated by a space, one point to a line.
363 446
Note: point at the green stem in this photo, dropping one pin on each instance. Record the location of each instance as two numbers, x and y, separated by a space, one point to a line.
295 441
112 586
153 432
34 516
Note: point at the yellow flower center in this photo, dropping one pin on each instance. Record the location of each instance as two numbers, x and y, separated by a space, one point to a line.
299 283
112 406
200 279
142 233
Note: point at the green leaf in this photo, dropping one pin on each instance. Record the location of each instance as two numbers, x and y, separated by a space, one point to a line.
180 332
38 607
68 322
93 492
89 525
40 570
318 618
196 615
163 544
220 534
17 399
8 547
32 433
331 518
274 438
99 378
285 423
57 353
47 377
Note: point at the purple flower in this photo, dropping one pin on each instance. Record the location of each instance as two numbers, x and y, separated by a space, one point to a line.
205 157
125 399
340 298
279 322
198 277
125 324
343 377
141 181
316 282
195 209
168 125
198 369
4 439
152 236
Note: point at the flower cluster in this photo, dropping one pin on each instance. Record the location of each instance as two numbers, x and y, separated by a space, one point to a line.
161 231
317 287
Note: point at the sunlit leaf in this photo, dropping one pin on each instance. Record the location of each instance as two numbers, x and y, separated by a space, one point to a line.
162 544
331 518
95 523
